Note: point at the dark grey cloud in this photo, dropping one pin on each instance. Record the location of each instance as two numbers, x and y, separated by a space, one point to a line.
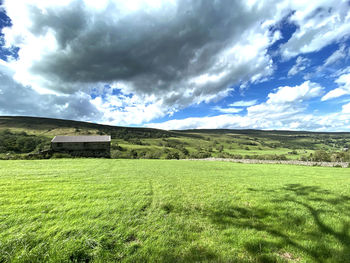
16 99
98 49
156 51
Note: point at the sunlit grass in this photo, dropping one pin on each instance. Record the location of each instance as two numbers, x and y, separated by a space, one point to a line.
85 210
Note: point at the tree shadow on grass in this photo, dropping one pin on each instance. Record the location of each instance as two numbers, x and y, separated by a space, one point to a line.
297 217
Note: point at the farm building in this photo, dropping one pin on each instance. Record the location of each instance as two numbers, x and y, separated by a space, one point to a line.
96 146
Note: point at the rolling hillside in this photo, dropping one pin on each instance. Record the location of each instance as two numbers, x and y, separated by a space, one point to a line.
131 142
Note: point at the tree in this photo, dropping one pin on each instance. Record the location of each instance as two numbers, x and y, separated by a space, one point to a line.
220 148
321 156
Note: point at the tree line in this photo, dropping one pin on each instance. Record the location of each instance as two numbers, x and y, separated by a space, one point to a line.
20 142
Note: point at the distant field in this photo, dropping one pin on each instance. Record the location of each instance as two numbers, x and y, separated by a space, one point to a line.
23 136
89 210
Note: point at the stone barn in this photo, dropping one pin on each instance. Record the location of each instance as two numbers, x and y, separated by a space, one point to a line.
94 146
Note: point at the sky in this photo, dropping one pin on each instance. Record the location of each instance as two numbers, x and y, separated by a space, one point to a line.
178 64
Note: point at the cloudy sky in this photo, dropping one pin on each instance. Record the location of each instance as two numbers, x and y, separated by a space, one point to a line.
178 64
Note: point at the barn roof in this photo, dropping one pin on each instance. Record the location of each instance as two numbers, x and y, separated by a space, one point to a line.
104 138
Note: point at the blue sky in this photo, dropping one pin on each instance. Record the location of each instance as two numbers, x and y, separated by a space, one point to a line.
178 64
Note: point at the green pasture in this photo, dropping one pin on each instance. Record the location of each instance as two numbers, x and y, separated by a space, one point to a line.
20 136
100 210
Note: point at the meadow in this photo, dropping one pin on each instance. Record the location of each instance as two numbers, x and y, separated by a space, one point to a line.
103 210
26 137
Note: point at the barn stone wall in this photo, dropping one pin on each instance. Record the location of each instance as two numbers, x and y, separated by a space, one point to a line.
82 148
57 146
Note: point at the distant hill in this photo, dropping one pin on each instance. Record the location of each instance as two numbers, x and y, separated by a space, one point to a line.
259 132
50 126
21 135
47 125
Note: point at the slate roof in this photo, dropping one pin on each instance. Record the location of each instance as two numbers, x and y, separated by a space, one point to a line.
104 138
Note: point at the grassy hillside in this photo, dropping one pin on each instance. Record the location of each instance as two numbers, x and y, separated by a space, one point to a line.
89 210
148 143
51 127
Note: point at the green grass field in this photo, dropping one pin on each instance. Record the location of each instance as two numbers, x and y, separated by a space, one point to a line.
91 210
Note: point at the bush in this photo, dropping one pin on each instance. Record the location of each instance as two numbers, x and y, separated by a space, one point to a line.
153 154
61 155
321 156
173 155
133 154
200 155
122 155
281 157
220 148
135 141
340 157
303 158
115 146
184 151
115 155
20 142
225 155
237 156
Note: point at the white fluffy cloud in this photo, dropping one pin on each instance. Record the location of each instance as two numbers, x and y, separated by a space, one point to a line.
319 22
283 109
300 65
286 102
331 122
243 103
346 108
126 110
227 110
297 94
158 57
344 88
337 55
